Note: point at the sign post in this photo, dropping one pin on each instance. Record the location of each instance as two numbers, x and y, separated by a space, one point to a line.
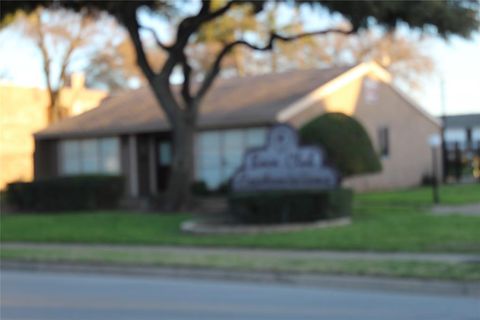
434 141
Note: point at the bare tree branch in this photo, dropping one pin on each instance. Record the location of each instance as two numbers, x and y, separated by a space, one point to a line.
177 55
71 48
215 69
191 24
157 39
187 71
133 29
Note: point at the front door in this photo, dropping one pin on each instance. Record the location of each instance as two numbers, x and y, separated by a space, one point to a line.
164 160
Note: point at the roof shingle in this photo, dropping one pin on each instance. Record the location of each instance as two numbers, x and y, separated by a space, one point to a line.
253 100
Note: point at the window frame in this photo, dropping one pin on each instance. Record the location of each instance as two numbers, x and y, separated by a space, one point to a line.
80 155
224 168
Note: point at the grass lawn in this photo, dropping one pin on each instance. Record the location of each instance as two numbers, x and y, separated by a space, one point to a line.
399 269
382 221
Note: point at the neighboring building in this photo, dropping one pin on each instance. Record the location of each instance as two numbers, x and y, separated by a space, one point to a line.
23 111
462 131
462 146
128 134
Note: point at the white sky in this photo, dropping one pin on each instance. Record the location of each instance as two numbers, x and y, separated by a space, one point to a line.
457 63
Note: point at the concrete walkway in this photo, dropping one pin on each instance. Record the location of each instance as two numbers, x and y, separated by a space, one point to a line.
467 210
245 252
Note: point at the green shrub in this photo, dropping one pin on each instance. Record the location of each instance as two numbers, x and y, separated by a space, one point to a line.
345 141
66 193
290 206
200 188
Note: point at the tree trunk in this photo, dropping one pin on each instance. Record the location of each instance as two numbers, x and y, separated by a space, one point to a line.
181 175
53 114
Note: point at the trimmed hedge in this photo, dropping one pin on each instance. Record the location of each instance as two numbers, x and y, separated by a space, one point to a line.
200 188
89 192
290 206
345 141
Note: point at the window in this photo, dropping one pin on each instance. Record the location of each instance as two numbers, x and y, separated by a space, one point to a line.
233 149
255 137
109 155
476 135
70 157
383 141
90 156
165 153
456 136
220 153
371 91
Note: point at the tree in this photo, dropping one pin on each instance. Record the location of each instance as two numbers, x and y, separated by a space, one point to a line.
403 56
113 67
438 17
62 37
213 36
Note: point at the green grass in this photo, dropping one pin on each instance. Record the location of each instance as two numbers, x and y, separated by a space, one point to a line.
388 221
410 269
422 196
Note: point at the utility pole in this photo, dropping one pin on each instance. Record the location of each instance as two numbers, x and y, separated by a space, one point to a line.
443 125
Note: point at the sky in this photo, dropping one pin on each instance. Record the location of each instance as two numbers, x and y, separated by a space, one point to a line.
457 66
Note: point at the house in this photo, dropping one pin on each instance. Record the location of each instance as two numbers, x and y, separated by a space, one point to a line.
23 111
463 131
128 134
462 145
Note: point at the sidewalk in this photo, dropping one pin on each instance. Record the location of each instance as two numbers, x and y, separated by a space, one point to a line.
253 253
387 284
243 264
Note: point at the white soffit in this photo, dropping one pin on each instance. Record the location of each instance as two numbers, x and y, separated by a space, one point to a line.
332 86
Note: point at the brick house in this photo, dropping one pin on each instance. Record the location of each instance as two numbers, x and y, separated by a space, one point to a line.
23 111
128 134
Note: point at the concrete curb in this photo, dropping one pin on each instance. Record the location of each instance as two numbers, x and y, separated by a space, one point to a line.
206 226
415 286
256 252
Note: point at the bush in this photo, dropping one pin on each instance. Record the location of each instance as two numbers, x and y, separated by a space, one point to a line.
290 206
345 141
200 188
66 193
427 180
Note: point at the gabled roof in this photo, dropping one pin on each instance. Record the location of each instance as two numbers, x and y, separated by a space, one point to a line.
235 102
246 101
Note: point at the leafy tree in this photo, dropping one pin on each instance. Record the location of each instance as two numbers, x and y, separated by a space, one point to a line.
213 36
444 18
403 56
63 38
113 67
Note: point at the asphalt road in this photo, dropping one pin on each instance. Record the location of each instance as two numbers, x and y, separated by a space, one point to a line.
41 295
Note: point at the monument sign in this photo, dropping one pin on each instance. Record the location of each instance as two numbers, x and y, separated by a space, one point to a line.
284 165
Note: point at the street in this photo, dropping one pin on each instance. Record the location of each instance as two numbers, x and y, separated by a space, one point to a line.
41 295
